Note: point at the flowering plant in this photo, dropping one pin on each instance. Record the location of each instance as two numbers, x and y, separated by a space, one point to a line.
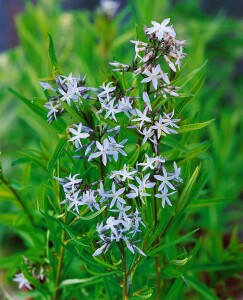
116 183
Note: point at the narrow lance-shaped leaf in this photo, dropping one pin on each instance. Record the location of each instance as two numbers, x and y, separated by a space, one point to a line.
201 288
182 201
182 82
177 241
40 111
52 55
77 281
56 153
180 106
196 152
72 112
192 127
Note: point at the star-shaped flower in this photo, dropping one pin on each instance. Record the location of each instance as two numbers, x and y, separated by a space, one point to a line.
115 195
165 180
22 281
142 117
154 76
161 28
78 135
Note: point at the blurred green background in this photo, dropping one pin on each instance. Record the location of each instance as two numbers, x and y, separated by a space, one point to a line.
85 44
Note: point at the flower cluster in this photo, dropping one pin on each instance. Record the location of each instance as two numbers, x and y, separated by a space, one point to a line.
64 89
120 229
78 193
99 143
123 224
161 43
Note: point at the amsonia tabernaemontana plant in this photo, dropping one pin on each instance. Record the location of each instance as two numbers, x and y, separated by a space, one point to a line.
120 178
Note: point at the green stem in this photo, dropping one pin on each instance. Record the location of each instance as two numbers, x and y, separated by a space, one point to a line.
156 242
59 266
102 170
124 273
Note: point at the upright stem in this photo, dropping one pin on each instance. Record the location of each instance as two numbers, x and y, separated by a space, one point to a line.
102 170
57 293
157 260
124 273
156 242
59 266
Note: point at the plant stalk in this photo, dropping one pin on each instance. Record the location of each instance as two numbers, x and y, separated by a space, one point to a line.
157 260
59 267
124 273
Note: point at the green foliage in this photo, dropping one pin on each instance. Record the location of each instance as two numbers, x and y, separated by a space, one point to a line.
32 221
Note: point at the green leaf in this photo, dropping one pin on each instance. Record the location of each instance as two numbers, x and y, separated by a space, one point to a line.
135 156
40 111
192 127
72 112
182 201
201 288
182 82
63 226
177 241
197 87
181 262
200 203
20 161
94 215
88 259
103 263
52 55
11 261
39 101
171 142
87 113
145 293
77 281
176 290
18 185
56 153
108 288
35 159
196 152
